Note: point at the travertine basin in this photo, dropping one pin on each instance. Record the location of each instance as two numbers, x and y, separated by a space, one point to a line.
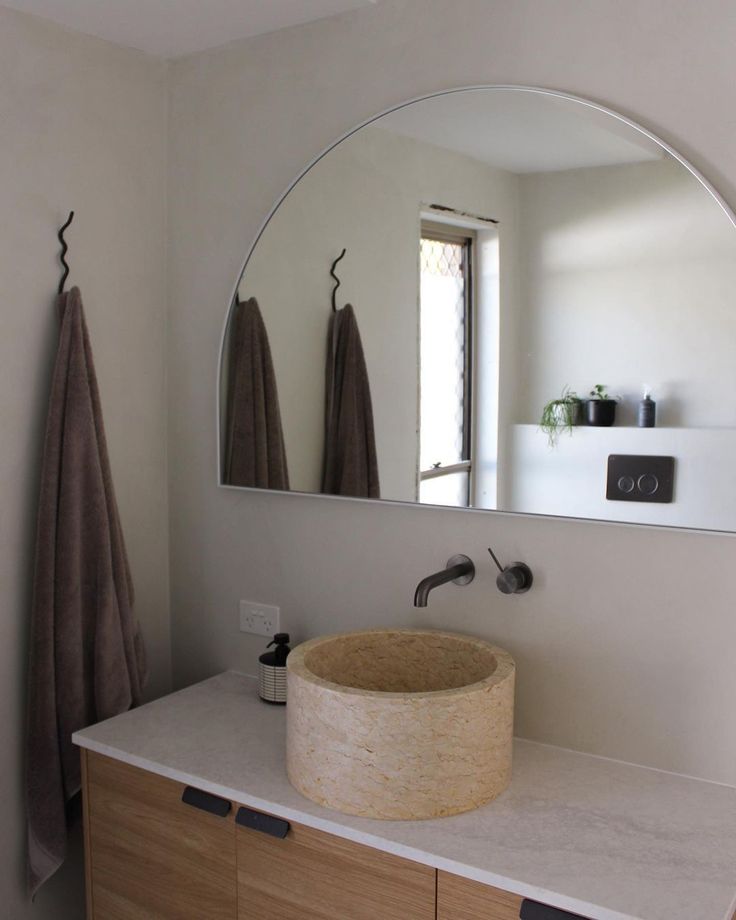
399 723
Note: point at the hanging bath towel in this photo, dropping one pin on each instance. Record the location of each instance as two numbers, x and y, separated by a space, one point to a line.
87 660
350 462
254 447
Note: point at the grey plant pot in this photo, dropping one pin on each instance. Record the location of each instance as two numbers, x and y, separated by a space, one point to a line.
569 413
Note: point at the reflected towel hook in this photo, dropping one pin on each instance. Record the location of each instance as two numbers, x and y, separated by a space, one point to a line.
337 285
64 250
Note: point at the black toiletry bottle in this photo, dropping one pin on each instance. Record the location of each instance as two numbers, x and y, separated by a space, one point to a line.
272 670
647 411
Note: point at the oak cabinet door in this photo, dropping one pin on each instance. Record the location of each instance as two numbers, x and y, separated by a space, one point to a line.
463 899
151 856
311 875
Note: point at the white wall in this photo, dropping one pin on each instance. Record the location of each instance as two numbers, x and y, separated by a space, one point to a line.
570 478
365 196
628 276
618 614
83 127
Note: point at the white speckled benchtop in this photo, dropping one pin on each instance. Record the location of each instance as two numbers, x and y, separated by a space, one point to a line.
607 840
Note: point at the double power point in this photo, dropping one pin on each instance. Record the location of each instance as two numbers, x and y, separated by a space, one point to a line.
259 619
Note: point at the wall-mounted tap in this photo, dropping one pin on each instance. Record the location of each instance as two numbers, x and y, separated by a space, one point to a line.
515 578
460 569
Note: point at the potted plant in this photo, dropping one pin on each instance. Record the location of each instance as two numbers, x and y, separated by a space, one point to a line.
600 409
561 414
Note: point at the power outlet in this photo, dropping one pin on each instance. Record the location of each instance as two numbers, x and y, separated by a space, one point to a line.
259 619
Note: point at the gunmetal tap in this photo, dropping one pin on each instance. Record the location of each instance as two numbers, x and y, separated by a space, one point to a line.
459 569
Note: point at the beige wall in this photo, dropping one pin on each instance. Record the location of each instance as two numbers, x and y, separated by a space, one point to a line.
624 648
82 126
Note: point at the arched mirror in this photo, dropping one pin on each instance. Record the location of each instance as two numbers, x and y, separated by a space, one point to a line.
521 267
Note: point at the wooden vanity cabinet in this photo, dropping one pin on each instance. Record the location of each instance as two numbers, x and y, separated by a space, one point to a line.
148 854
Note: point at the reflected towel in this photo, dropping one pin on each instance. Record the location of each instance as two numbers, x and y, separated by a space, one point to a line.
254 450
87 660
350 461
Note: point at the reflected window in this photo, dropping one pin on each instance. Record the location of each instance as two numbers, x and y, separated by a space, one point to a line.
446 311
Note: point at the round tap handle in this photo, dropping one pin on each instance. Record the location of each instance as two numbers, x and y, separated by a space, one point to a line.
516 578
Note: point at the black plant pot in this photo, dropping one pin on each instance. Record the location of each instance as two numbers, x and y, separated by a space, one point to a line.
600 412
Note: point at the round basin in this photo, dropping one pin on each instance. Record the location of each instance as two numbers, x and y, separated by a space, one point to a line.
399 723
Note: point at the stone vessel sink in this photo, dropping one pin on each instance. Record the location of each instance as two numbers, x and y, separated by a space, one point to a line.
399 723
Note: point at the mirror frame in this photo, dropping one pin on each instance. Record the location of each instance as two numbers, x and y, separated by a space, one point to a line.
496 87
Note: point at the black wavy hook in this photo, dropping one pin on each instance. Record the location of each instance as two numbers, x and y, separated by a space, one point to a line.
64 250
337 285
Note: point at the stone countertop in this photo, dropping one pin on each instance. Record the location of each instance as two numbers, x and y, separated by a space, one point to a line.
597 837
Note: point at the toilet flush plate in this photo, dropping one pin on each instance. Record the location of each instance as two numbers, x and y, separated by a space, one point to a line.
640 478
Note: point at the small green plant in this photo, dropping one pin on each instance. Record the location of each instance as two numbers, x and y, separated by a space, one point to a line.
560 415
599 392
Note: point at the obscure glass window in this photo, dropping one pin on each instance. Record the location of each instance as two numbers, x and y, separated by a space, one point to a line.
445 351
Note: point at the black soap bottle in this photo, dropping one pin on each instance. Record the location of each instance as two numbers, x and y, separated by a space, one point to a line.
272 670
647 411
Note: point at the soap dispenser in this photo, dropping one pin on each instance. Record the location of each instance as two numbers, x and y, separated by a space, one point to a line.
647 410
272 670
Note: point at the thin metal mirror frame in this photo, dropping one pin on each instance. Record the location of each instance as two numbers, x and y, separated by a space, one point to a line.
495 87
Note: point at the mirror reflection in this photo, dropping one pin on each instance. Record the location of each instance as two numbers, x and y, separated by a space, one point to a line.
532 313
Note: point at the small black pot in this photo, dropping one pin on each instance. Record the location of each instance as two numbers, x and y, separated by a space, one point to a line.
600 412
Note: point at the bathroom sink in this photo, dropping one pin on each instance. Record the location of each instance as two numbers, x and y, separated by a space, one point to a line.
399 723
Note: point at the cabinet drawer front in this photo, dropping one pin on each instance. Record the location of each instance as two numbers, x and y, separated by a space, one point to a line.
310 875
463 899
152 855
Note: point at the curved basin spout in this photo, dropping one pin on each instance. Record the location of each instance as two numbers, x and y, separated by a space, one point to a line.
459 569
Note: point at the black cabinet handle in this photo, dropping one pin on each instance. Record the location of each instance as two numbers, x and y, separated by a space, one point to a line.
531 910
206 801
266 824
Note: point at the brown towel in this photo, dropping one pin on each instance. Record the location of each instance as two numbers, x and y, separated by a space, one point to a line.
87 660
254 452
350 462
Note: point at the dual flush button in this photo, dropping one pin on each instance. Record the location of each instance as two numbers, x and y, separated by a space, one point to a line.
640 478
647 484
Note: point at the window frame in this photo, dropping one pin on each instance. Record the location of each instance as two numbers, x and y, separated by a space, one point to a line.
467 237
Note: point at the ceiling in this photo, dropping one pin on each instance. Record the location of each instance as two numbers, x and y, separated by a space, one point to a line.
523 132
171 28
